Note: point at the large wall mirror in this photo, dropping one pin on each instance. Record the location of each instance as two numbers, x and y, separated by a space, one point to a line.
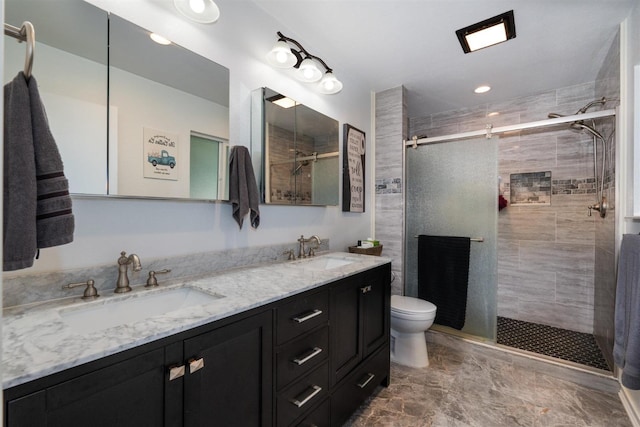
297 149
167 115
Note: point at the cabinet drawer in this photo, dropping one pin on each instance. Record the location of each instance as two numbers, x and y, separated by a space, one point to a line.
319 417
301 355
293 402
301 315
358 386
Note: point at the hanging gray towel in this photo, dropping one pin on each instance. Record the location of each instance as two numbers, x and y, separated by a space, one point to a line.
243 189
626 348
19 189
54 219
443 276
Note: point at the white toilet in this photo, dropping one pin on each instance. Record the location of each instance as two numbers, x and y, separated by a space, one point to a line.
410 318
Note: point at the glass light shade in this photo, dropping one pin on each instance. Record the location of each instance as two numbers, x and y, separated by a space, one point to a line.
309 71
281 56
201 11
329 84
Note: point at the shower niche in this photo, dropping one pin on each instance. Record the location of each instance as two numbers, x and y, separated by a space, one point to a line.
531 188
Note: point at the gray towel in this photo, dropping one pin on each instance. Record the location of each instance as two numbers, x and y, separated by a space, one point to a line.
626 349
243 190
19 197
36 201
54 219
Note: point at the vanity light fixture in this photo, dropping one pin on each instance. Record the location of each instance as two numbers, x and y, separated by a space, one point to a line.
288 53
201 11
159 39
491 31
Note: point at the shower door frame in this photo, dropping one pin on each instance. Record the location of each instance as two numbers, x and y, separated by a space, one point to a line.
488 132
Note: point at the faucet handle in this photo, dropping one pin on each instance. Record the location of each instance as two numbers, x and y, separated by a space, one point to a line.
152 281
90 291
291 254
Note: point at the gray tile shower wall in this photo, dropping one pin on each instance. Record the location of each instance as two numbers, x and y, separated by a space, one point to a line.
608 86
391 129
34 288
545 253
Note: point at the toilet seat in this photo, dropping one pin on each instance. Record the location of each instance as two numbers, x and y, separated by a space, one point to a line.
411 306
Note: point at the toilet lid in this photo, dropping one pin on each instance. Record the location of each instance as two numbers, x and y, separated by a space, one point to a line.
411 305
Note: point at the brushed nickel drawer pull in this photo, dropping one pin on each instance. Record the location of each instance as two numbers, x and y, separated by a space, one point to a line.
366 289
316 351
301 403
195 365
309 316
176 372
364 383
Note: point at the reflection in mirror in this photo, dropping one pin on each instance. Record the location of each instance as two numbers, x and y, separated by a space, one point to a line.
168 118
299 151
70 66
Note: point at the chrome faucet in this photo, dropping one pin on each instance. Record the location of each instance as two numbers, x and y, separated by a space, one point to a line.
301 251
122 285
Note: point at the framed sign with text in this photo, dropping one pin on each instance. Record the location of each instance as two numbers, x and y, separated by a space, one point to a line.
354 143
160 157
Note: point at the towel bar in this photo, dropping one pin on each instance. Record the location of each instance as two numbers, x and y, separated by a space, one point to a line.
473 239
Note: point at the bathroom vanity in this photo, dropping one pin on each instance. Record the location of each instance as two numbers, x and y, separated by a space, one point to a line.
296 343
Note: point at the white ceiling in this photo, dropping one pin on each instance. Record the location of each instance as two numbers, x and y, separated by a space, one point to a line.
387 43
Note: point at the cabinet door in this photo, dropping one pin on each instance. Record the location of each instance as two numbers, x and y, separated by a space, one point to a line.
128 393
345 317
229 375
376 306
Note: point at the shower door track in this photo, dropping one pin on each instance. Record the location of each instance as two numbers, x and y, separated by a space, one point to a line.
489 130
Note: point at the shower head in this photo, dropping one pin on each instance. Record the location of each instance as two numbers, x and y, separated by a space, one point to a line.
580 126
584 109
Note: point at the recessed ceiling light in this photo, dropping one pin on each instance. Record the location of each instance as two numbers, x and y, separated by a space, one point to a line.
482 89
493 114
491 31
159 39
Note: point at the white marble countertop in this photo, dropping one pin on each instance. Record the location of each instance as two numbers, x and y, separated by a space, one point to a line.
37 341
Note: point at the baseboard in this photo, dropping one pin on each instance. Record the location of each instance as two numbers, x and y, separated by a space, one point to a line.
633 411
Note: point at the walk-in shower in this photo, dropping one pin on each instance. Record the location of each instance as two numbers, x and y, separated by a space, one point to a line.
537 262
601 204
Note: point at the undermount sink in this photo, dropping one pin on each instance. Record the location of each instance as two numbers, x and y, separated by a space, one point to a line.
325 263
126 310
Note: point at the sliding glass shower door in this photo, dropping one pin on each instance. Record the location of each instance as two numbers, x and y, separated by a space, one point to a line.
452 190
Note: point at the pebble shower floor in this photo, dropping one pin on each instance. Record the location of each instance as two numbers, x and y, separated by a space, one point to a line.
560 343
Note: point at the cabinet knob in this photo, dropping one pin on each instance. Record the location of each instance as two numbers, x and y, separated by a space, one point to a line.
195 365
366 289
176 372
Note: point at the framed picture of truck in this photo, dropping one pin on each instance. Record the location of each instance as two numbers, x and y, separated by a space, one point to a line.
160 154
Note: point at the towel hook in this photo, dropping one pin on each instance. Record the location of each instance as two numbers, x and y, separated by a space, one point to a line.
25 33
30 35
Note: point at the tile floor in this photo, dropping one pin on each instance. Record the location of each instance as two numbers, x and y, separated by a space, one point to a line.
480 387
573 346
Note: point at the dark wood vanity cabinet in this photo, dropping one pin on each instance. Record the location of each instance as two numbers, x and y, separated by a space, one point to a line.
360 308
226 381
308 360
